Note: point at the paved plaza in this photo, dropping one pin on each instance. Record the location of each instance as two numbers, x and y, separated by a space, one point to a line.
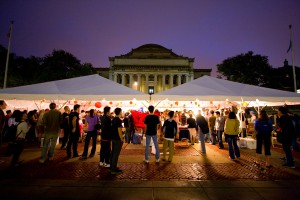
191 175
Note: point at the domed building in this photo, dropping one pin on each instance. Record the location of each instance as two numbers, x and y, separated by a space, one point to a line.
152 68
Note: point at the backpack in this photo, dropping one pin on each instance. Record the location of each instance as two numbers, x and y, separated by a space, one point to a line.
12 132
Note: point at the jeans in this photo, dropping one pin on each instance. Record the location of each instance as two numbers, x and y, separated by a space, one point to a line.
93 135
288 153
219 134
105 151
295 145
115 152
202 141
128 135
233 148
207 137
212 134
155 142
49 138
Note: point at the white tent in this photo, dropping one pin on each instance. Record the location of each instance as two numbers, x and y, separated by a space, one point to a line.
87 88
209 89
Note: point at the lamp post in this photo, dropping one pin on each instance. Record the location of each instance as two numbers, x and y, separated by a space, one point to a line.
7 57
151 91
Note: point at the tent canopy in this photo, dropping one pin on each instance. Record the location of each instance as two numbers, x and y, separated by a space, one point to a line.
208 88
89 88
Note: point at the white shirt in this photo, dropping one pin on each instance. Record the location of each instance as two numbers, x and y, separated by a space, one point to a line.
22 129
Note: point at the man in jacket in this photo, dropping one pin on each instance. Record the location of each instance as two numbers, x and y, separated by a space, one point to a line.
288 130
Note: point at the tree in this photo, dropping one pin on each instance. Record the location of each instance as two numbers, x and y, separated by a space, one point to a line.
55 66
247 68
62 65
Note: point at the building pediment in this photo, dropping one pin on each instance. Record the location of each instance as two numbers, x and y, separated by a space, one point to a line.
151 51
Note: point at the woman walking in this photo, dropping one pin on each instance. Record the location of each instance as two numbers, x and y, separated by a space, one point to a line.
231 133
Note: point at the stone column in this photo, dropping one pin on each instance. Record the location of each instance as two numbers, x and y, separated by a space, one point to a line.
139 82
155 83
115 77
130 80
163 82
146 83
179 79
110 76
192 77
171 81
123 79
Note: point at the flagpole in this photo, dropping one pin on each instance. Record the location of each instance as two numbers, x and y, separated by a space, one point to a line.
8 51
292 51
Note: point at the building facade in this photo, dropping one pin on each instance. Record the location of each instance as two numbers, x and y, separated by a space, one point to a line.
151 68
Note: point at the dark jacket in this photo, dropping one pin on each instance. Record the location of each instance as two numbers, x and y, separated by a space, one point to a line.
106 128
286 124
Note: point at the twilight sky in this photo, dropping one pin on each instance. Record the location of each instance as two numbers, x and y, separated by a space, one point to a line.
207 30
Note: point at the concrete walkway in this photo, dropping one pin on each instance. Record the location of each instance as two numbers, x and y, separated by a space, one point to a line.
191 175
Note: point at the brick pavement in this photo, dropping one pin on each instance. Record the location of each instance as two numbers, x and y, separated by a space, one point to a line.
188 164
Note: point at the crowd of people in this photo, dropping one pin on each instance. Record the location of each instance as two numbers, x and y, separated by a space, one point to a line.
116 127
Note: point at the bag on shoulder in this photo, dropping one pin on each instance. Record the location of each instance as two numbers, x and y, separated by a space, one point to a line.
12 132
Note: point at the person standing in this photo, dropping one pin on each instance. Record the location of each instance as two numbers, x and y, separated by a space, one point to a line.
263 127
169 131
40 127
244 125
127 129
152 123
117 141
75 132
231 133
211 125
288 131
51 122
183 118
202 127
22 130
91 120
192 128
2 119
105 138
220 122
65 126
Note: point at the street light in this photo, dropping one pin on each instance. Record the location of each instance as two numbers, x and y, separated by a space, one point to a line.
150 91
